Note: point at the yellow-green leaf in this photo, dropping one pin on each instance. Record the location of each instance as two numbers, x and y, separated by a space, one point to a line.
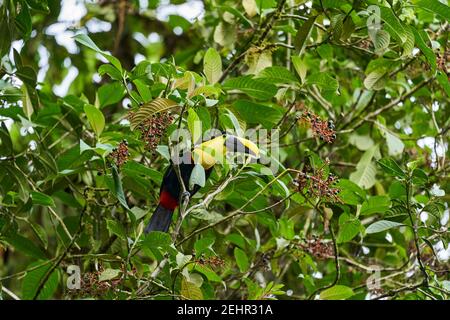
96 119
149 109
190 291
337 292
212 65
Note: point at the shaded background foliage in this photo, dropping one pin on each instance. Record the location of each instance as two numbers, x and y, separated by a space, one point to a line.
72 192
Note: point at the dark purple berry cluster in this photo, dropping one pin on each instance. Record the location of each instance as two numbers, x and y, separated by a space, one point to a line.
212 261
324 129
153 128
316 184
317 247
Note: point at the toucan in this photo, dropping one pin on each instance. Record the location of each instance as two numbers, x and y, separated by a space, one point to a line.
206 154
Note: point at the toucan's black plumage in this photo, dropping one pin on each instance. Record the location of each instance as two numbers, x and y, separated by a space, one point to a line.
170 191
169 196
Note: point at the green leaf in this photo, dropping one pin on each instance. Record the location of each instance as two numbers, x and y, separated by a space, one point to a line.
391 167
375 80
149 109
364 176
375 204
143 89
96 119
86 41
42 199
256 88
33 278
17 59
41 233
392 24
118 189
204 245
323 80
300 66
208 272
139 213
443 80
435 208
27 106
241 259
349 227
363 143
337 292
237 239
382 225
350 192
419 177
347 29
195 126
5 39
435 6
303 34
277 74
135 169
265 4
212 66
110 93
157 239
25 246
116 228
381 41
39 5
252 112
197 176
111 71
23 21
395 145
109 274
190 291
182 259
27 75
5 138
408 45
337 24
232 120
422 39
203 214
206 91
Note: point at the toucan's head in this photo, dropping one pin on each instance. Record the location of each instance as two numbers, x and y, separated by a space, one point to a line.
212 151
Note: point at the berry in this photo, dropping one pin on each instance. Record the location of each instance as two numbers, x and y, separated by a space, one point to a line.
120 154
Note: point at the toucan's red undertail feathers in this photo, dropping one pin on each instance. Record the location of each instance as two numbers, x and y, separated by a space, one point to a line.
167 200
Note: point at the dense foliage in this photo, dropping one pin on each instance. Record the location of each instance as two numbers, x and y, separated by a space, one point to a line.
348 201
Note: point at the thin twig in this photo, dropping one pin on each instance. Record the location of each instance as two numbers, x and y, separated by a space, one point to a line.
61 257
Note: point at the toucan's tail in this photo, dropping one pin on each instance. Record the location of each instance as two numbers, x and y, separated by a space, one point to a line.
160 220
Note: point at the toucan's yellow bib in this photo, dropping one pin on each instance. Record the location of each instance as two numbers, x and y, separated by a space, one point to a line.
209 152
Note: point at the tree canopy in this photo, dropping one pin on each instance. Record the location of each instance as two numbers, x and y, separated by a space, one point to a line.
347 100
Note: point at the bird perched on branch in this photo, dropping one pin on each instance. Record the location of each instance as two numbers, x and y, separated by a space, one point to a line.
206 155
